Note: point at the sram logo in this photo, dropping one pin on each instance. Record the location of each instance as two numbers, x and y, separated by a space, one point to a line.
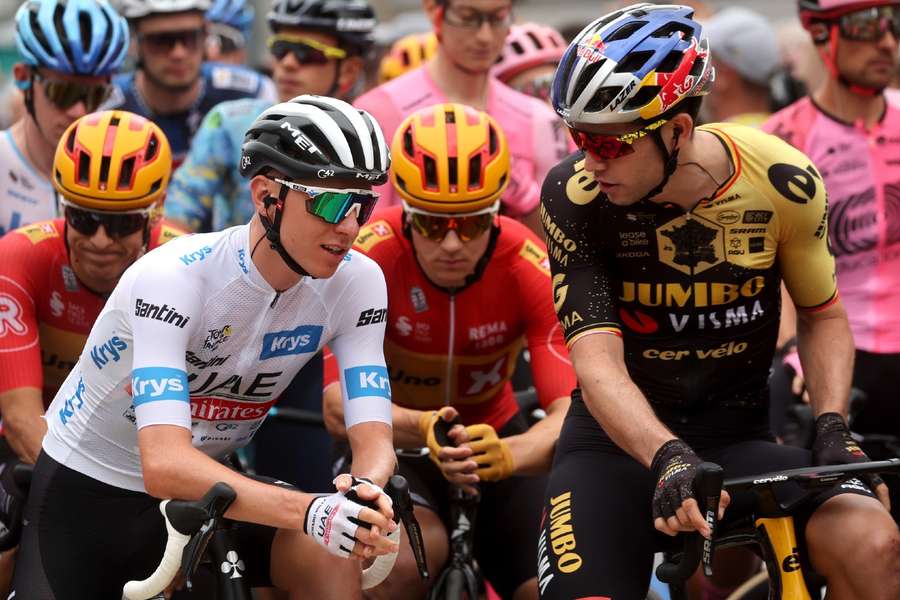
304 338
152 384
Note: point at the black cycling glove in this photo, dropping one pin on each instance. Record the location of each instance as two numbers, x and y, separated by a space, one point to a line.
674 466
835 446
12 505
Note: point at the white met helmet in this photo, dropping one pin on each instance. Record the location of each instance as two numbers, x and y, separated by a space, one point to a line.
136 9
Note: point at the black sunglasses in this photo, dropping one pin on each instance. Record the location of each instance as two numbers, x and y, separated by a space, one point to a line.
66 94
165 41
116 225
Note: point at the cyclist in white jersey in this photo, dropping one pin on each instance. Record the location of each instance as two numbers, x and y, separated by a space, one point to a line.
194 345
69 50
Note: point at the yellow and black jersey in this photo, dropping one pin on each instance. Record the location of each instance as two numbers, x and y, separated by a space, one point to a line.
695 295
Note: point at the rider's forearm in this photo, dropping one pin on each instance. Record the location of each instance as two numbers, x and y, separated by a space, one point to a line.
23 423
825 344
172 468
373 451
614 399
532 451
406 427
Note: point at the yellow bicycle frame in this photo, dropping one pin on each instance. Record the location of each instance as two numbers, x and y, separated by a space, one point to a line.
787 578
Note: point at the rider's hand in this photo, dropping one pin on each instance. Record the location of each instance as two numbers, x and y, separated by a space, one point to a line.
674 507
453 461
495 461
835 446
346 527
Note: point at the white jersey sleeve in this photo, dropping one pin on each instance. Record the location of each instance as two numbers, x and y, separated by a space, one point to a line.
161 331
358 345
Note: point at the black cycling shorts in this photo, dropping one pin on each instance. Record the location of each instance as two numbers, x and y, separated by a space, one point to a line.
83 539
597 537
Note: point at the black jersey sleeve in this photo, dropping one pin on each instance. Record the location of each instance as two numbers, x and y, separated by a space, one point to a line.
571 212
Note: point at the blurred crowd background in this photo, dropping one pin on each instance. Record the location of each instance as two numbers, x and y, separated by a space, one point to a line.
398 18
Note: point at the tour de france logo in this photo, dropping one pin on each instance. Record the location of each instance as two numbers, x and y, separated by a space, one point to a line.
691 245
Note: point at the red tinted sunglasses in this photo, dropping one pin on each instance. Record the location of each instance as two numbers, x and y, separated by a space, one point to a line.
608 147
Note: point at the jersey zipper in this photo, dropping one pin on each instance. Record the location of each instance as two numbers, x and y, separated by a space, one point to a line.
275 299
450 349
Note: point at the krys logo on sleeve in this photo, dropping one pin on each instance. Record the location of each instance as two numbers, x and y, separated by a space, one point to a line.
368 380
304 338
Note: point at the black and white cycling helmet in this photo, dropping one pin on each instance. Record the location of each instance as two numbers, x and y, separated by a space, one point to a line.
316 138
137 9
352 22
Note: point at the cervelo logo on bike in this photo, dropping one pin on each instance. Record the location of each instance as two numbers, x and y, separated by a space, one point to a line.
304 338
110 350
366 381
196 255
153 384
164 313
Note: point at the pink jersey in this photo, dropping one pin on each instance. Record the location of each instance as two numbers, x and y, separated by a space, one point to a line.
861 170
536 139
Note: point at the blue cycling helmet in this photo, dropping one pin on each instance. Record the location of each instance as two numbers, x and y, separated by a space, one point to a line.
78 37
234 13
632 65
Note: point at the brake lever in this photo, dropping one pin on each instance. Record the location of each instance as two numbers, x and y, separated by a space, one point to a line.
398 490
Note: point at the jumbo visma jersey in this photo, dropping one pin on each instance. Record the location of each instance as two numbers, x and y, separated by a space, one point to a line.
194 336
694 295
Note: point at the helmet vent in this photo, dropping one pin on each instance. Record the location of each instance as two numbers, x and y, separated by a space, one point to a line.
114 122
492 141
70 142
673 27
155 187
534 40
453 171
602 98
125 173
634 61
38 32
644 95
475 171
104 171
61 31
671 62
84 24
84 167
625 31
585 78
430 172
517 47
152 148
449 117
408 142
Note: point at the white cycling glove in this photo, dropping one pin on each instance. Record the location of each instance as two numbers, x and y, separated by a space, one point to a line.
333 520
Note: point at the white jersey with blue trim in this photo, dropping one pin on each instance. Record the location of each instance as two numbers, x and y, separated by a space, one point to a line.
26 196
193 336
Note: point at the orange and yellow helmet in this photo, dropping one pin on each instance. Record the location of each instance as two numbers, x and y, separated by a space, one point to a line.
450 158
407 53
112 161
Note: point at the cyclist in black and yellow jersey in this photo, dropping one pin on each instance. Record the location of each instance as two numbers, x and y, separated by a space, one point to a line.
667 244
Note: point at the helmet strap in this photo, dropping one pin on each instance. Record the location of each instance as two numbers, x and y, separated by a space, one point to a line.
670 160
829 56
273 231
333 90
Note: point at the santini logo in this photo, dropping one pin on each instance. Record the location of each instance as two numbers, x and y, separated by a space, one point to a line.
294 341
164 313
151 384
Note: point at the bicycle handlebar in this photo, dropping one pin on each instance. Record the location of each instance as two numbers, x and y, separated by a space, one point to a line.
707 488
183 520
190 526
697 548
